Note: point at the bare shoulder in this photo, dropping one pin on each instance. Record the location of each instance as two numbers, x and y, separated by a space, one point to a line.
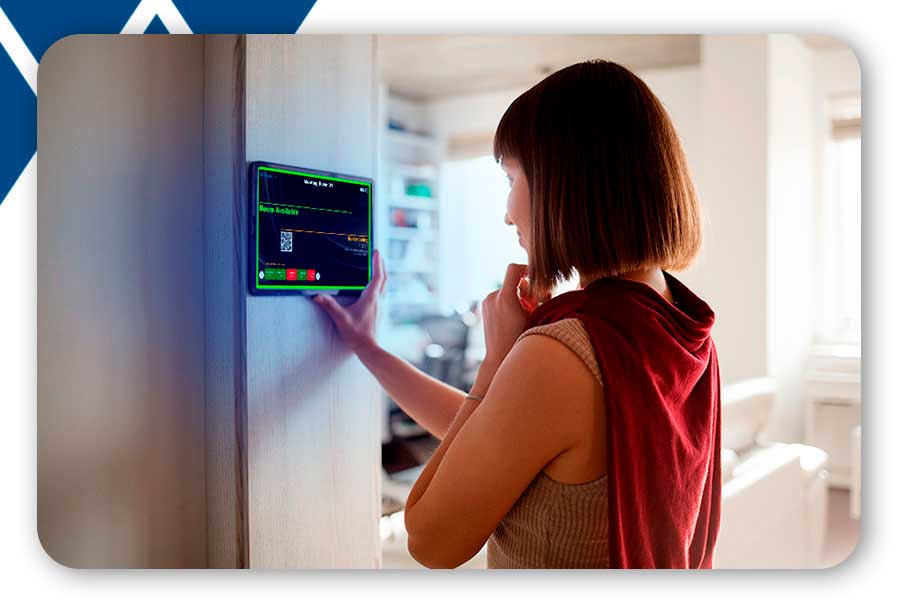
543 379
548 358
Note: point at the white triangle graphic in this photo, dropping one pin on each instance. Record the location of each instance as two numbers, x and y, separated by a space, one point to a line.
148 9
18 51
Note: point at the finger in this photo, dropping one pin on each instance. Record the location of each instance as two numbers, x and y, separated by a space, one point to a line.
526 299
373 286
514 273
383 274
527 290
379 274
369 290
489 301
334 310
523 286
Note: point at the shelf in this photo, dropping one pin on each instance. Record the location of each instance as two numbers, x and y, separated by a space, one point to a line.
411 271
409 138
425 171
410 233
414 202
408 159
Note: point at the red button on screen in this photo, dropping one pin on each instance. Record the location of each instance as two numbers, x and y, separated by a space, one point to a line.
292 274
311 275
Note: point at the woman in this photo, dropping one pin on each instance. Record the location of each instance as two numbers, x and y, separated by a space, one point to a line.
590 437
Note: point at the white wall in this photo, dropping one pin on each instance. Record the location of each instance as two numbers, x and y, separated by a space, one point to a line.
224 274
761 183
313 410
182 423
473 114
731 181
120 415
478 114
791 229
678 89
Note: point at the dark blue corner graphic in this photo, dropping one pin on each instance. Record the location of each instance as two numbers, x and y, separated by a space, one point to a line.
18 118
156 26
240 16
41 23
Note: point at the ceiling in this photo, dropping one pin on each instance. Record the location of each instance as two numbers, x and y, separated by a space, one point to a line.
426 67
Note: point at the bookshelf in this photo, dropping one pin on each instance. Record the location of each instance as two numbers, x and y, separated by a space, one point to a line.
409 217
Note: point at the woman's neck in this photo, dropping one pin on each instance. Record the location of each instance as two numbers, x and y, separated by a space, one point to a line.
653 277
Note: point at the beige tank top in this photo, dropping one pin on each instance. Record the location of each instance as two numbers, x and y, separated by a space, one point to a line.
556 525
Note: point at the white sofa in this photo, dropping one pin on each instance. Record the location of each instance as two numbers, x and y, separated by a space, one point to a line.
773 495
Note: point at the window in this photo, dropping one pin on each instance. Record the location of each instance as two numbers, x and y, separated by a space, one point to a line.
841 240
479 243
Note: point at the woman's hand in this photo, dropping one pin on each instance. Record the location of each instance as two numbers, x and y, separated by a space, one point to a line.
504 318
356 323
531 298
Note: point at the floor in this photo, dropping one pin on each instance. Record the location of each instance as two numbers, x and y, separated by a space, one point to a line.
842 533
841 536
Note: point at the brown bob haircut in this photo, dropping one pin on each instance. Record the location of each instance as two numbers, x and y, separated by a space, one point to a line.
610 188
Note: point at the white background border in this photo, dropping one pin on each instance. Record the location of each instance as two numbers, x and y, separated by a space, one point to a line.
864 25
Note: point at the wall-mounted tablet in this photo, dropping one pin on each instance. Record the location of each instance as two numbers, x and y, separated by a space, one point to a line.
310 231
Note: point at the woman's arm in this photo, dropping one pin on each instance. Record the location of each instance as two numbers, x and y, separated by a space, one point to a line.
496 447
428 401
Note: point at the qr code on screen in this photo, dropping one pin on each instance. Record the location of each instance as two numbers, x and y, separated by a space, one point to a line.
287 241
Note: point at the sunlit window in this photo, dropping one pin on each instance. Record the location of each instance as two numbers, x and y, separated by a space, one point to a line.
480 244
841 235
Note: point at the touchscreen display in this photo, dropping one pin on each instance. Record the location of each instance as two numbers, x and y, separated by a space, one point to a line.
313 231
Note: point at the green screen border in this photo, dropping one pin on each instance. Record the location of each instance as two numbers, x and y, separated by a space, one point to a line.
308 287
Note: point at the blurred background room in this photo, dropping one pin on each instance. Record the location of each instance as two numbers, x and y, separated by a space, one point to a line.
183 422
771 128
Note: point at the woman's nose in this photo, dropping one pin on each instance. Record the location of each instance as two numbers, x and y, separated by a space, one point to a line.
507 220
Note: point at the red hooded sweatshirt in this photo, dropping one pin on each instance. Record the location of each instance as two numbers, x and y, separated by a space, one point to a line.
661 390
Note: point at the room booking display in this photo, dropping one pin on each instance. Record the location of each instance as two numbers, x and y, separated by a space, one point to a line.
310 231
